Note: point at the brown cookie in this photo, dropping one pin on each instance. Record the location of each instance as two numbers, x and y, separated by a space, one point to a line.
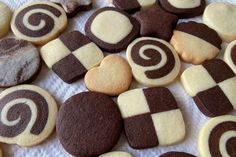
176 154
89 124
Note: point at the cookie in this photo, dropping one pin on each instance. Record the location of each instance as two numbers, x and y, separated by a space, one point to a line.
212 86
71 55
116 154
112 29
218 16
151 117
176 154
28 115
184 8
38 22
112 77
196 42
5 14
72 7
1 153
132 6
230 55
153 61
89 124
152 21
19 61
218 137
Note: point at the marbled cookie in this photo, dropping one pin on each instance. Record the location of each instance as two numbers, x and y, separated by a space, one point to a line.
112 29
230 55
212 86
89 124
218 137
184 8
176 154
71 55
154 62
19 61
112 77
39 22
151 117
116 154
196 42
5 14
28 115
132 6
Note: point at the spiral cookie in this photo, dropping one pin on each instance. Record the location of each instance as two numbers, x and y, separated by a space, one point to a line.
176 154
39 22
153 61
230 55
28 115
218 137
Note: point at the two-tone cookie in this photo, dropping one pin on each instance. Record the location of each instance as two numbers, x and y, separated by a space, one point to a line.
196 42
5 14
154 62
184 8
19 61
112 29
152 21
212 86
89 124
116 154
151 117
38 22
218 137
230 55
28 115
219 16
71 55
132 6
176 154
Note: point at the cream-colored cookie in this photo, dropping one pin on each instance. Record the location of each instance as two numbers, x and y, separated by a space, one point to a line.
28 115
5 19
230 55
220 17
39 22
116 154
112 77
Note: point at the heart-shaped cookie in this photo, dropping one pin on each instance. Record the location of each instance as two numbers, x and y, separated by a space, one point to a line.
112 77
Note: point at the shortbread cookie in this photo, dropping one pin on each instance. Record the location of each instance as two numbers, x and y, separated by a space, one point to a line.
176 154
152 21
151 117
132 6
72 7
116 154
230 55
112 77
89 124
5 19
219 16
28 115
184 8
39 22
111 29
153 61
212 86
196 42
19 61
218 137
71 55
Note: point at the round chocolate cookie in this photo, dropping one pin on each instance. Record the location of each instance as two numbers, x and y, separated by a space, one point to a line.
112 29
19 61
176 154
184 8
218 137
230 55
89 124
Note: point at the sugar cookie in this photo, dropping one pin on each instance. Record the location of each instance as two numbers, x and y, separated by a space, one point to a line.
230 55
176 154
116 154
5 19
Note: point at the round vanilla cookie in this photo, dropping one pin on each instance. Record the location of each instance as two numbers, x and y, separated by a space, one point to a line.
154 61
39 22
27 115
5 19
230 55
218 137
220 17
116 154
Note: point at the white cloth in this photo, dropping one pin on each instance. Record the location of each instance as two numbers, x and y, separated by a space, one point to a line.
47 79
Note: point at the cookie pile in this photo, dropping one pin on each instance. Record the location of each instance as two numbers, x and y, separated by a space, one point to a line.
156 42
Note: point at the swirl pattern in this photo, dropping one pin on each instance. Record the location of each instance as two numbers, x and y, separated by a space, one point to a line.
153 61
24 117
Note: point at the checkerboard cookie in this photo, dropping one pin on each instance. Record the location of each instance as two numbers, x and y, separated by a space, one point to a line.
176 154
116 154
212 86
151 117
71 55
230 55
